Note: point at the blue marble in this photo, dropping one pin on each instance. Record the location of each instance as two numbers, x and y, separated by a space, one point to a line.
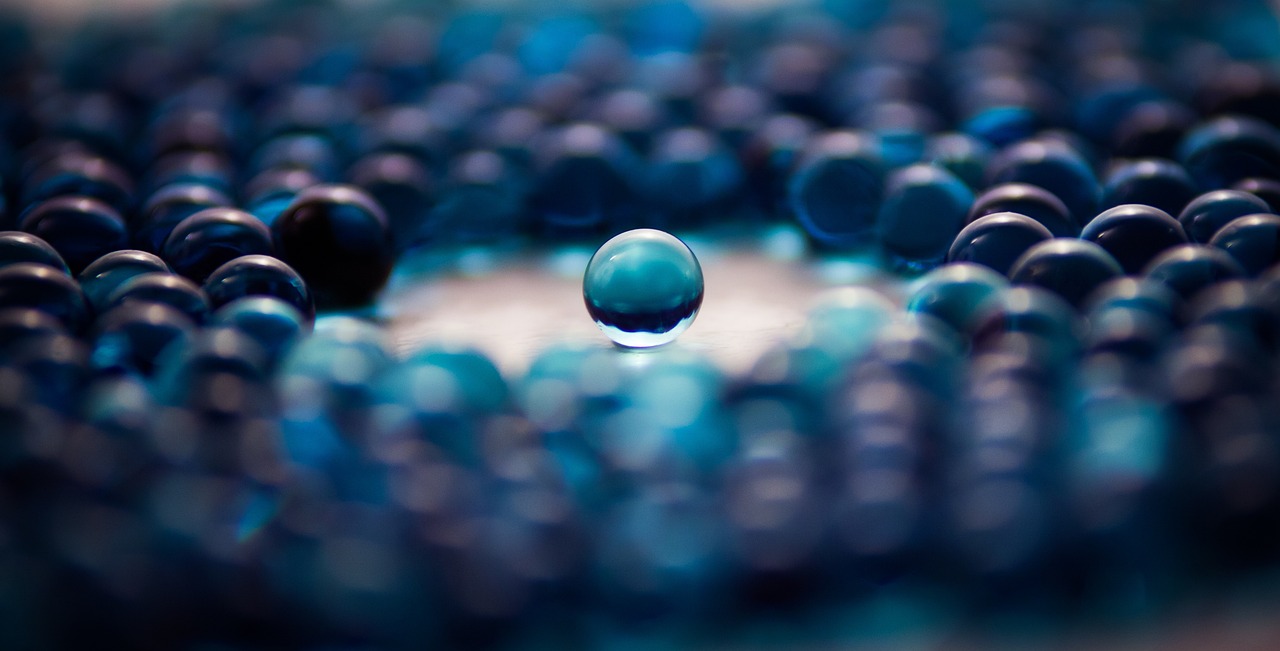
769 156
56 365
186 372
269 193
130 337
17 246
1036 312
18 323
997 240
1222 151
482 202
1136 293
39 286
690 177
1266 189
259 275
836 191
104 275
404 187
200 167
1130 332
81 229
1032 201
1153 182
1053 166
1190 268
1002 125
1253 240
1152 129
83 174
1134 234
1212 210
1245 307
643 288
963 155
206 240
919 348
274 323
924 208
843 322
1070 268
959 294
338 240
585 180
161 287
167 207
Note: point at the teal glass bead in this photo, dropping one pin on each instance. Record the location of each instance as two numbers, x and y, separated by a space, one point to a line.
1212 210
643 288
997 240
923 210
274 323
1134 234
835 194
104 275
1253 240
1189 268
959 294
1070 268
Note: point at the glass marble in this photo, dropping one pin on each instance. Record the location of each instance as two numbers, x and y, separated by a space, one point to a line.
169 206
81 229
1053 166
1002 125
923 209
1152 129
57 367
17 246
210 352
1134 234
1138 293
585 179
1189 268
104 275
275 324
1153 182
269 193
1228 149
482 202
312 152
643 288
836 191
18 323
691 175
959 294
403 186
1130 332
1243 306
1068 267
201 167
963 155
39 286
1253 240
130 337
997 240
1212 210
259 275
338 239
1032 201
1034 311
161 287
208 239
80 174
1266 189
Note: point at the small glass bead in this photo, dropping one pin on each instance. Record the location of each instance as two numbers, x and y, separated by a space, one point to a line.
923 209
311 152
1242 306
167 288
959 294
1032 311
81 229
1189 268
39 286
259 275
1054 167
1130 332
997 240
337 238
16 246
104 275
643 288
1153 182
198 167
1134 234
208 239
1070 268
57 366
1253 240
1032 201
130 337
836 192
689 175
169 206
1212 210
273 323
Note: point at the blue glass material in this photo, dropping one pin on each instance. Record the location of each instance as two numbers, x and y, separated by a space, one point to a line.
958 294
130 337
1134 234
39 286
80 173
208 239
923 209
919 349
259 275
1228 149
1153 182
104 275
1130 332
1212 210
81 229
17 246
269 193
187 372
1189 268
199 167
1136 293
18 323
1002 125
844 321
1253 240
1029 310
769 155
338 240
585 179
482 202
643 288
690 176
835 192
403 186
1152 129
161 287
1266 189
275 324
1053 166
169 206
964 156
56 365
997 240
1070 268
1032 201
1242 306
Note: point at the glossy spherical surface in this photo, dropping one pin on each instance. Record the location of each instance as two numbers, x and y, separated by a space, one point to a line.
167 288
1212 210
39 286
1152 182
1253 240
997 240
259 275
105 274
924 207
1228 149
208 239
1032 201
836 192
1189 268
81 229
16 246
273 323
130 336
1070 268
337 238
585 179
958 294
1054 167
169 206
1134 234
643 288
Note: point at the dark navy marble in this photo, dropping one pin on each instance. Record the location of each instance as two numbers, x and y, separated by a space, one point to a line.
1229 149
81 229
1190 268
1070 268
1134 234
167 288
1136 293
337 238
481 202
1053 166
259 275
129 337
201 167
1153 182
1032 201
18 323
1253 240
924 208
585 181
57 368
1034 312
210 352
1243 306
403 186
836 191
101 278
1130 332
997 240
17 246
208 239
1266 189
169 206
269 193
275 324
1152 129
80 174
1212 210
691 177
39 286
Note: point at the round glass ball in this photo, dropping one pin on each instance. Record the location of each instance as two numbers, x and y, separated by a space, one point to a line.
1134 234
643 288
212 237
81 229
